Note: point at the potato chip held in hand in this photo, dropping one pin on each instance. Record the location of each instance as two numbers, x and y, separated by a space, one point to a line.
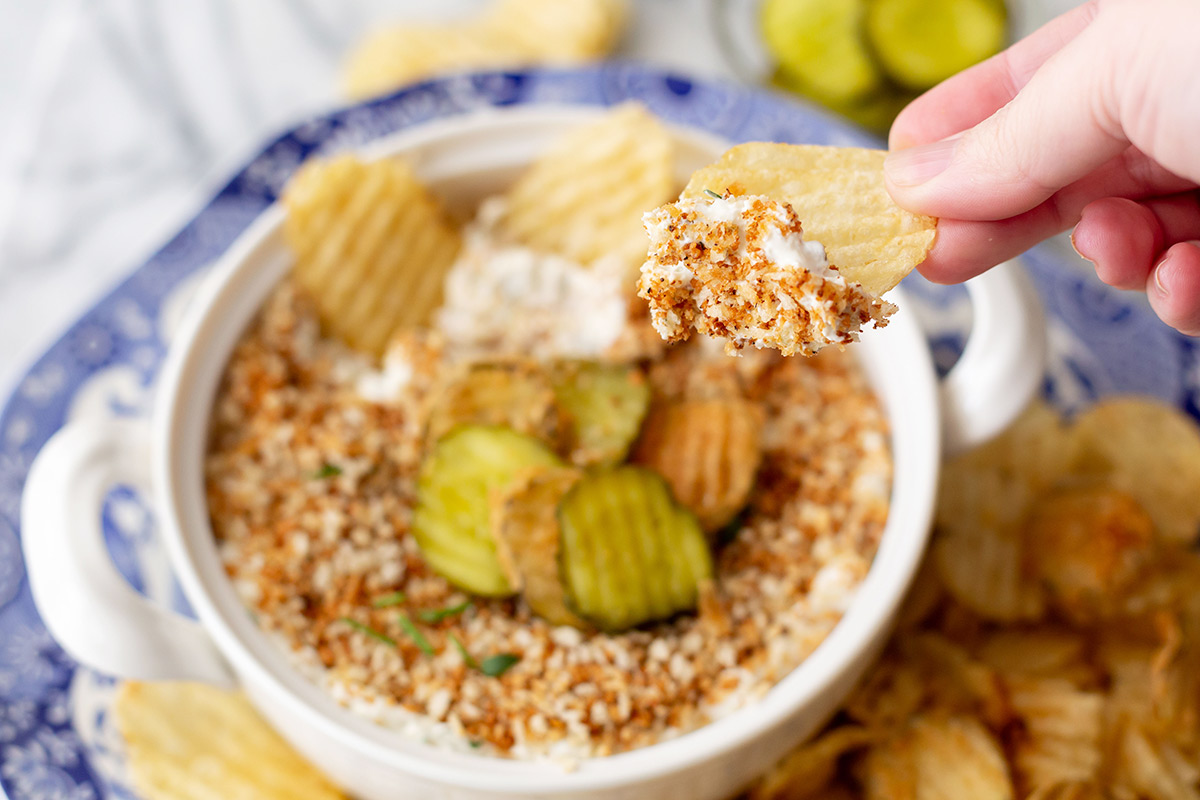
839 195
781 246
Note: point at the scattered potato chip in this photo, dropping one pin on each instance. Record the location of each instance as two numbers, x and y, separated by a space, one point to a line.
807 773
937 758
1151 450
892 692
954 681
561 31
525 525
584 198
1153 769
1043 651
1097 697
708 451
190 741
1069 791
1059 740
840 197
518 396
983 500
372 246
1088 545
511 33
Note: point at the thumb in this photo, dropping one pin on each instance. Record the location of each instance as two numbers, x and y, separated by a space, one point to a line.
1060 127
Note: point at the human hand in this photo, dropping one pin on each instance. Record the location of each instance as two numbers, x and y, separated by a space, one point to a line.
1092 121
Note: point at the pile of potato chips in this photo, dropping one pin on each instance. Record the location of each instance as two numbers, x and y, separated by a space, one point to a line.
508 34
1051 645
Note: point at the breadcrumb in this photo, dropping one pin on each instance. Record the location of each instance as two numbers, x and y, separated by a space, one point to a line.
738 268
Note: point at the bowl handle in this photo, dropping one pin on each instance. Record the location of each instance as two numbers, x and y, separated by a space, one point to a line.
1003 363
86 604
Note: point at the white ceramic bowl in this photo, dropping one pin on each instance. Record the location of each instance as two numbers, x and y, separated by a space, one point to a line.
103 623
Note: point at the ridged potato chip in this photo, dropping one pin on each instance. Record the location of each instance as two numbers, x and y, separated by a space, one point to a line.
190 741
1148 768
983 501
511 33
937 757
1059 738
372 246
518 396
1087 545
708 451
807 773
840 197
1038 652
1151 450
392 57
584 198
558 31
525 525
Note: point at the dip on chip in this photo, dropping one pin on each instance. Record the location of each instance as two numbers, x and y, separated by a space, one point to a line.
739 269
781 246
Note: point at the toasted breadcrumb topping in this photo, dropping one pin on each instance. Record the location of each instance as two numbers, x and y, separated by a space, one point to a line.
311 486
738 268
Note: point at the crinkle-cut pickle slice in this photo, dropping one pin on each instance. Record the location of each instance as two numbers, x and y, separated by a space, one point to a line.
920 43
457 479
819 47
629 554
604 405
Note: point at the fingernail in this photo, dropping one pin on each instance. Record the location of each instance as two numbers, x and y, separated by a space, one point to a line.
916 165
1164 263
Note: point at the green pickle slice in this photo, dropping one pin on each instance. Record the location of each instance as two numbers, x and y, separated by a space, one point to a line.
920 43
819 48
604 405
629 554
457 482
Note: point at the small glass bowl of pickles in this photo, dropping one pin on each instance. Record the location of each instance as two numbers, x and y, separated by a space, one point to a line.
864 59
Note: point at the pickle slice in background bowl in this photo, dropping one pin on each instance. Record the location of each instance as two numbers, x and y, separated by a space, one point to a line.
866 59
920 43
819 48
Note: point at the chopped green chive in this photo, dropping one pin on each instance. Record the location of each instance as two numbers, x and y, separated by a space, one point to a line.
413 633
389 600
712 194
432 615
497 665
475 743
467 658
369 631
327 470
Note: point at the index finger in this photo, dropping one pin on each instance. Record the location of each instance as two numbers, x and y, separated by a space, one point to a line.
975 94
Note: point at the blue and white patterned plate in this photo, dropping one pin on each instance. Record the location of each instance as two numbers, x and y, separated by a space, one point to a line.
57 741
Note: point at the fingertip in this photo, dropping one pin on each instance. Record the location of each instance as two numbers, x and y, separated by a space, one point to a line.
1173 287
1121 238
